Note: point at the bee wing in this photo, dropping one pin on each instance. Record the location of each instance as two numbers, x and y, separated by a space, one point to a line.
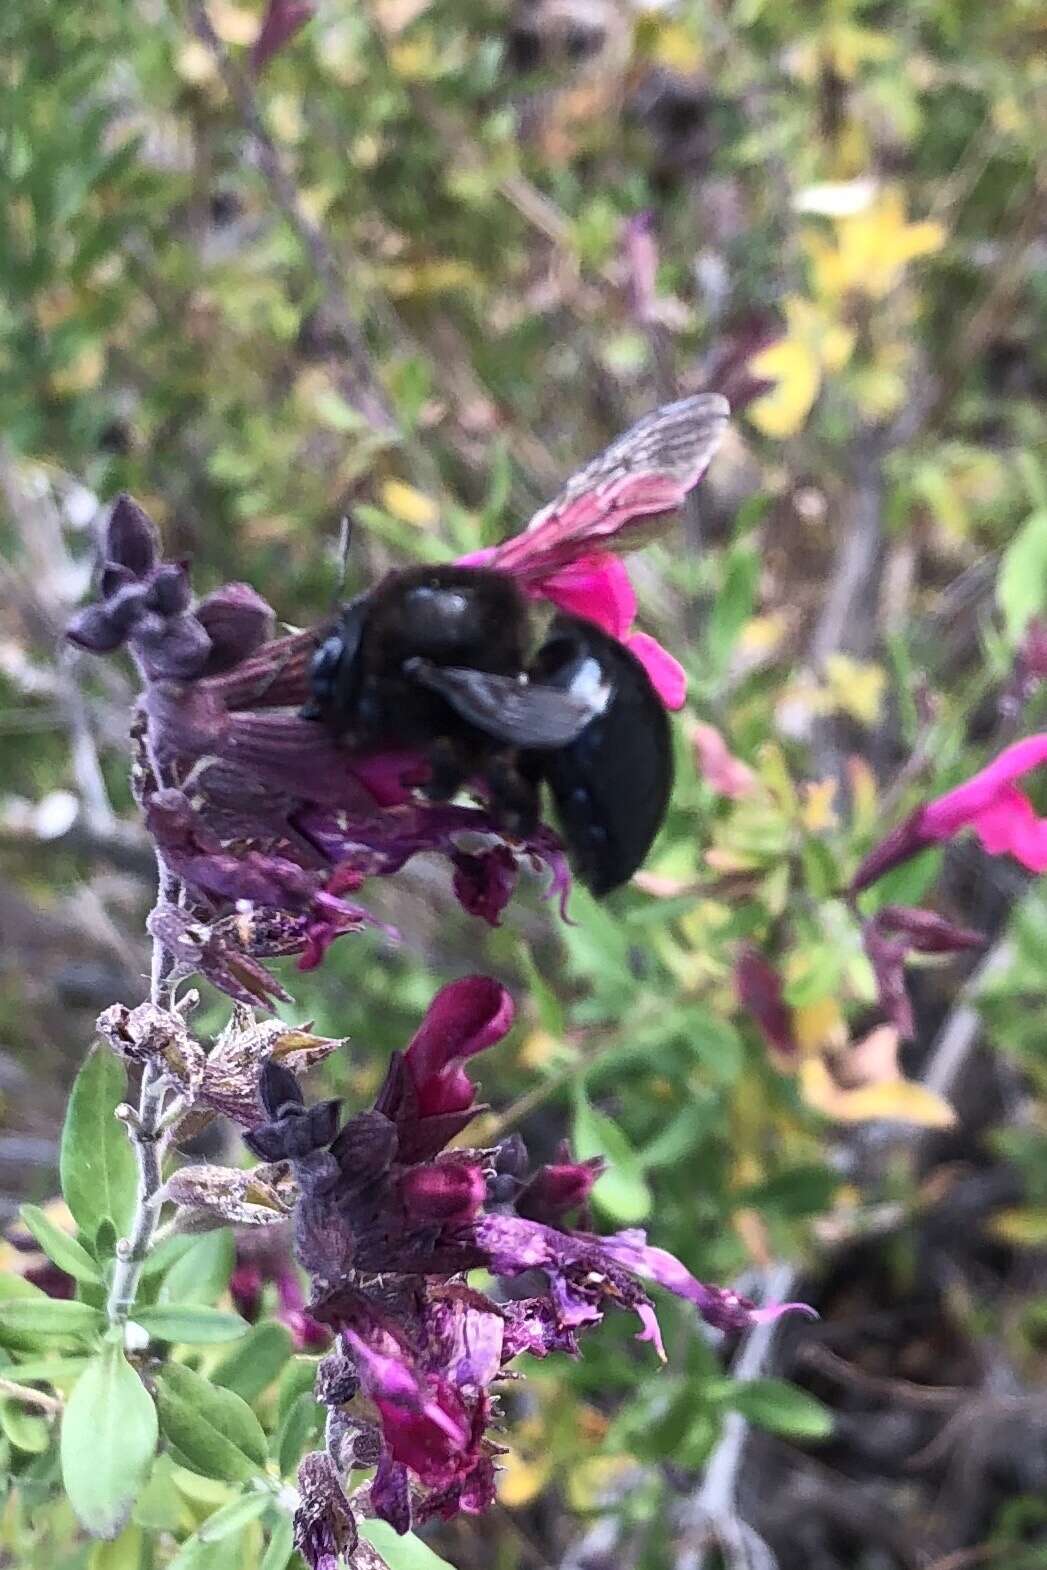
645 473
525 714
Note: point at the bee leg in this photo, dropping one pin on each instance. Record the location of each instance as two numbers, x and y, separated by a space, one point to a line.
449 769
513 796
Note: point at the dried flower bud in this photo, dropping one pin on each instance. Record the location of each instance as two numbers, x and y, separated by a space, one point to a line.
149 1034
324 1525
224 1196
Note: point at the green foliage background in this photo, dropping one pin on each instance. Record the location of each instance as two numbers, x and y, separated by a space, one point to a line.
175 286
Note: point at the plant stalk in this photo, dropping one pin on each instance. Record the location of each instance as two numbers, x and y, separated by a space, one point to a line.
148 1138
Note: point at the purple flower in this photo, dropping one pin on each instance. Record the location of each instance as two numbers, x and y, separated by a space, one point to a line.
386 1223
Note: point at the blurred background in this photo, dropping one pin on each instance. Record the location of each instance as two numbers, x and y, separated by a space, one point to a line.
417 260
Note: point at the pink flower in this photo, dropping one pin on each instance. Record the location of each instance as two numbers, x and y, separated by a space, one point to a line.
989 803
718 767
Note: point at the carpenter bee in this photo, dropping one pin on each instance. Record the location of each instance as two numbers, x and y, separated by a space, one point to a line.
443 658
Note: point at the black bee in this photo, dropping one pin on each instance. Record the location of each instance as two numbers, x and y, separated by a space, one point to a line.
440 658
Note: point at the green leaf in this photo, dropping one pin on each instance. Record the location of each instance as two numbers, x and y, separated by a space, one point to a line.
109 1433
214 1431
236 1514
782 1408
190 1323
401 1553
164 1256
123 1553
280 1546
301 1427
732 607
256 1361
622 1192
161 1507
1021 584
15 1289
48 1316
97 1164
67 1253
203 1271
26 1430
49 1370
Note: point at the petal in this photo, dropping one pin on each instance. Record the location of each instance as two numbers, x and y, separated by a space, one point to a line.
1010 824
943 816
718 1306
447 1192
464 1018
237 621
595 587
94 629
132 538
721 771
484 882
667 675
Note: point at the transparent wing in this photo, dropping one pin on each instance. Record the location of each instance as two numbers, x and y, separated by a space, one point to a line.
524 714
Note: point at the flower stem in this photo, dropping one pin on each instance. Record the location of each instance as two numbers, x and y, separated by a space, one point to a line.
148 1140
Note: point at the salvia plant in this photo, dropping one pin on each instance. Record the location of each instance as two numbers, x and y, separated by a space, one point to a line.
427 1271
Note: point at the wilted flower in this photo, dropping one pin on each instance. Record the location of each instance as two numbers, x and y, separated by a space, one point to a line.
269 822
989 803
282 20
324 1525
895 932
758 988
387 1222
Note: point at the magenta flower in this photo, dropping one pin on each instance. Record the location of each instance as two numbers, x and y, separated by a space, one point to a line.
989 803
269 823
387 1222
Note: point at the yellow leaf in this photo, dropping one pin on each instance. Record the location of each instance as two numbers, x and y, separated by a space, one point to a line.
521 1481
414 59
537 1049
814 343
864 794
596 1480
870 250
1027 1228
82 373
232 23
285 117
898 1101
436 277
677 47
195 63
855 688
409 505
794 368
818 1026
762 635
817 812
